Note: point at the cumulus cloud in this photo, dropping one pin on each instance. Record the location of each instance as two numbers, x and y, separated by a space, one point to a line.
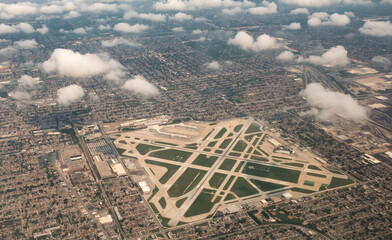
17 10
247 43
214 65
119 41
79 31
51 9
292 26
299 11
377 28
181 17
386 2
104 27
178 29
146 16
324 19
69 95
232 11
382 60
190 5
326 104
323 3
7 50
199 31
44 30
20 27
335 56
266 8
126 28
99 8
286 56
20 95
72 14
140 85
77 65
26 81
26 44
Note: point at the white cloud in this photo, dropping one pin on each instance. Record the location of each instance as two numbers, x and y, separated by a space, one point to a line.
232 11
247 43
199 31
377 28
126 28
214 65
104 27
44 30
99 8
72 14
267 8
292 26
7 50
20 95
335 56
27 81
190 5
300 11
51 9
26 44
181 17
286 56
323 3
386 2
178 29
74 64
17 10
119 41
382 60
69 95
324 19
146 16
326 104
20 27
140 85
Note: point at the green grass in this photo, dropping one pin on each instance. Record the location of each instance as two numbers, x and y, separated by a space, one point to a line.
277 173
265 153
162 202
203 203
240 146
293 164
145 148
186 182
229 197
308 183
171 169
121 151
242 188
239 166
238 127
338 182
228 183
259 158
218 151
301 190
284 158
154 208
225 143
267 186
172 154
316 175
313 167
254 127
208 135
255 141
234 154
227 164
212 144
217 180
220 133
203 160
180 202
122 141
